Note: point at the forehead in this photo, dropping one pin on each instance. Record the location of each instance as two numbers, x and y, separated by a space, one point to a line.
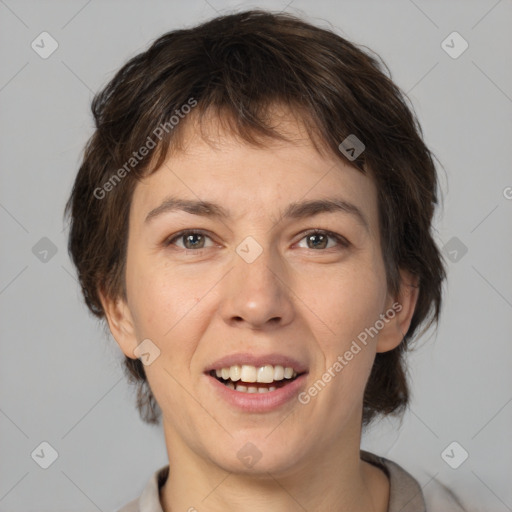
213 164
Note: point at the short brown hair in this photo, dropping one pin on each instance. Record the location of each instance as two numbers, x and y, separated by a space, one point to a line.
237 67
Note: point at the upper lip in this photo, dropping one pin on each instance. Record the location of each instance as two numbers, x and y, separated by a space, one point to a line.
257 360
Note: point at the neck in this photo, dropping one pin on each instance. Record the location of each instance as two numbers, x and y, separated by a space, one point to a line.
333 478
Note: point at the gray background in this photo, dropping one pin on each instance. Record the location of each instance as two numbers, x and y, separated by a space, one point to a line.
61 379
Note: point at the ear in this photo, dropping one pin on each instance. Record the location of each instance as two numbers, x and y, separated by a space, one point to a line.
120 322
399 310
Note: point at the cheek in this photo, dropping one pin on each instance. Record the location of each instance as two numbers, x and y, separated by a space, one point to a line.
163 299
349 305
165 309
345 303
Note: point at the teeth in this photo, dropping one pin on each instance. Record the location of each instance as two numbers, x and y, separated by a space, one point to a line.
250 389
288 373
249 373
278 372
235 373
265 374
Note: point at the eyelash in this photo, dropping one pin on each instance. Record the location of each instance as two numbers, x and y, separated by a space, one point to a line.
342 241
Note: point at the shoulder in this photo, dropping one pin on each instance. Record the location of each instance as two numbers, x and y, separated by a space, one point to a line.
133 506
149 500
406 494
440 497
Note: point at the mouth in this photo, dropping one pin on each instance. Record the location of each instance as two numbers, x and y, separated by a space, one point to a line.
255 379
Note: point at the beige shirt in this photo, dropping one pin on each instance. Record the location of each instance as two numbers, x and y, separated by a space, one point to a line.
405 494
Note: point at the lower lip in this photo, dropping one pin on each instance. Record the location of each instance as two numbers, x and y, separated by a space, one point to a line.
259 402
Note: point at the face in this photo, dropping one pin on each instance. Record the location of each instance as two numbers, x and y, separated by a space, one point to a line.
247 282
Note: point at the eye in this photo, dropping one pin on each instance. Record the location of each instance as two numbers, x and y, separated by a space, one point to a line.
195 239
192 239
319 239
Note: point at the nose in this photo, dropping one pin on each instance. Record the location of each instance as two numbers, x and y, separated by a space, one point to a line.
257 295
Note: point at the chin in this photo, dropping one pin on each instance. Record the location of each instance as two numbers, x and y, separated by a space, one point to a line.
258 455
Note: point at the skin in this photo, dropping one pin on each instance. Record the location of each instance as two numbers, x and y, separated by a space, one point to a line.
295 299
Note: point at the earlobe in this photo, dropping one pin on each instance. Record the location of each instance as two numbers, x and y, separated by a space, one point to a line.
120 322
399 312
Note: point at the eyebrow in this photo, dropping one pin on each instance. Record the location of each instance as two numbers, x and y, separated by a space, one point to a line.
297 210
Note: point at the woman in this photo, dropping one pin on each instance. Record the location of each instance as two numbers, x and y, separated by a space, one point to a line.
252 218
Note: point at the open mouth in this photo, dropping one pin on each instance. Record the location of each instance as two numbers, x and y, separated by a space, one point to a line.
252 385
